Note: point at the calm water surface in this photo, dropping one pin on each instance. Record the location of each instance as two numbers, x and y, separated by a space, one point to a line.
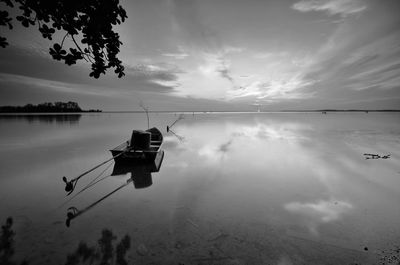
276 188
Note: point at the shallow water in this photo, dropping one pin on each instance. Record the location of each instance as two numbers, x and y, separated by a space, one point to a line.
261 188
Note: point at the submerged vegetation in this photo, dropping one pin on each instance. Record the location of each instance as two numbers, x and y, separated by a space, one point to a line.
58 106
7 244
103 254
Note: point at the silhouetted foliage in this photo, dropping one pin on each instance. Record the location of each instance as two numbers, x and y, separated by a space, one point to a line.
103 254
7 244
122 248
105 243
89 22
84 254
7 241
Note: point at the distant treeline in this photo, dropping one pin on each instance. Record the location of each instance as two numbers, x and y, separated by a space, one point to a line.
46 107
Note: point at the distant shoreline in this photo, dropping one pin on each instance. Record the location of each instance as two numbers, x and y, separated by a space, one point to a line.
186 111
50 112
47 107
238 111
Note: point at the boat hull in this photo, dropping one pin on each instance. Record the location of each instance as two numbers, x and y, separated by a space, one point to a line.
121 168
125 153
135 156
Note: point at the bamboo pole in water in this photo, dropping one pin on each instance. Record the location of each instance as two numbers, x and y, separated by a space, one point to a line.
70 186
99 165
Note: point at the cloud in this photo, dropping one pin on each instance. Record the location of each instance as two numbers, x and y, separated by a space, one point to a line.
275 89
160 71
216 63
231 49
189 25
224 71
357 69
164 75
56 85
177 56
384 77
223 65
332 7
269 55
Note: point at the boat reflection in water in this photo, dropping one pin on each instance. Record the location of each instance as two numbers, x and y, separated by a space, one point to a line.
140 177
140 172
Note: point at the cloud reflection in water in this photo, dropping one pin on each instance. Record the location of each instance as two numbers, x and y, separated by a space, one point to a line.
319 212
292 170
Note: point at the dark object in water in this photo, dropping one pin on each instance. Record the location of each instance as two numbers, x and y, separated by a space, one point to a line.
69 186
375 156
144 145
140 171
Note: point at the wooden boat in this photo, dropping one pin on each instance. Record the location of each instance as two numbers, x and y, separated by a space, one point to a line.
143 146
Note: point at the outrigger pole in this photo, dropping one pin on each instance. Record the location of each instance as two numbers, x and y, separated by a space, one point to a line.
178 119
70 185
74 212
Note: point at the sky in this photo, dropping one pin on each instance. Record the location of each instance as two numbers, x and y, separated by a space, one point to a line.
231 55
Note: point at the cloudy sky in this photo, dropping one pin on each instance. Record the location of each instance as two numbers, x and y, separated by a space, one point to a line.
225 55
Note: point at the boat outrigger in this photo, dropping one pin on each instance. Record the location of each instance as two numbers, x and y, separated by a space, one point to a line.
140 176
143 145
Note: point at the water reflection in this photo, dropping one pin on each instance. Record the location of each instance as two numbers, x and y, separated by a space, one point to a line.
319 212
140 176
290 172
140 172
179 137
256 189
72 119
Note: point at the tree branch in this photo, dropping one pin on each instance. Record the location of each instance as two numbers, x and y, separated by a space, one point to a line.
62 42
79 48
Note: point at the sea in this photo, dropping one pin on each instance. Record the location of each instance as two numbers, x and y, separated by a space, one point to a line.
232 188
